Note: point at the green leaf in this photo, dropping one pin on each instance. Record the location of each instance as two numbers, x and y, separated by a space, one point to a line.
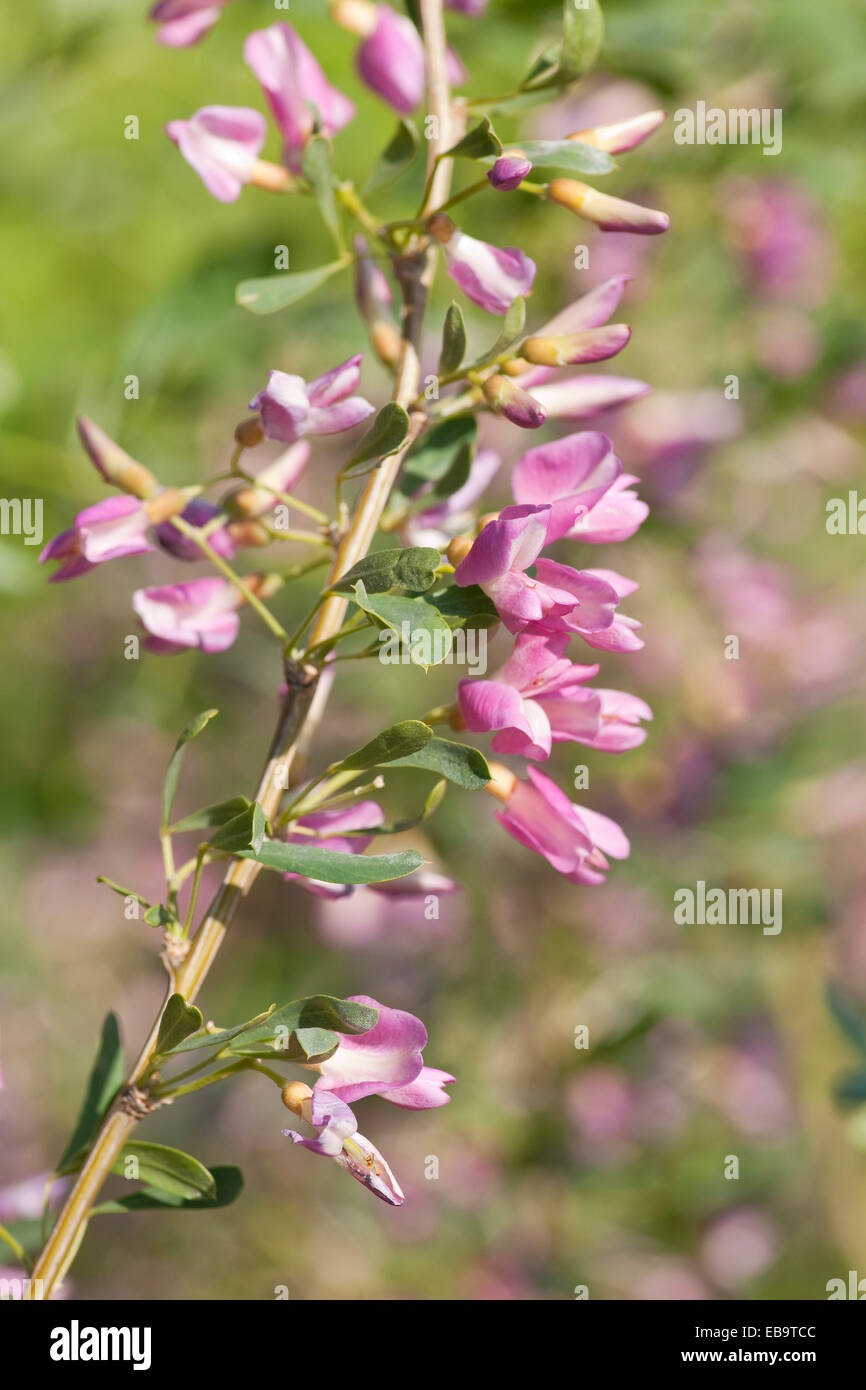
478 143
316 1014
571 155
123 892
103 1084
385 436
333 866
159 916
217 814
320 175
433 456
466 606
510 333
399 741
458 762
169 1170
849 1015
274 292
215 1037
399 153
242 832
179 1019
582 37
453 341
418 625
172 772
413 568
228 1185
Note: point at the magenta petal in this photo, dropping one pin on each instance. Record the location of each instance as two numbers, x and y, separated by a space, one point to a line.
589 311
490 276
597 599
578 397
296 88
509 171
345 415
337 383
222 144
387 1056
512 541
490 705
558 470
424 1093
391 61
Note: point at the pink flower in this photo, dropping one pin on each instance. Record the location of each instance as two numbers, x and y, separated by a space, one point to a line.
558 599
337 1137
183 22
291 407
611 214
392 63
490 276
222 144
538 698
622 135
582 479
580 397
391 60
473 8
106 531
385 1061
621 635
577 397
573 840
300 96
200 613
198 512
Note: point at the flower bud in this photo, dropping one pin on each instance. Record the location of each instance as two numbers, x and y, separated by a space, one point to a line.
611 214
293 1095
250 432
113 463
515 366
248 534
374 299
502 781
355 16
275 178
441 227
509 171
506 398
458 549
624 135
593 345
168 502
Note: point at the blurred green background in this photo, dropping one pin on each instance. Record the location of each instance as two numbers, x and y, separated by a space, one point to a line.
557 1167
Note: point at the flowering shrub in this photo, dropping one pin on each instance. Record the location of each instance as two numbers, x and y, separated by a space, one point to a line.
442 566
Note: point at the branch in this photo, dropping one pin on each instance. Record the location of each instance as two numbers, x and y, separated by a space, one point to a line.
308 688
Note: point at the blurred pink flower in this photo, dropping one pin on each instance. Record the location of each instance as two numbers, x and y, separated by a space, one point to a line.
222 144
